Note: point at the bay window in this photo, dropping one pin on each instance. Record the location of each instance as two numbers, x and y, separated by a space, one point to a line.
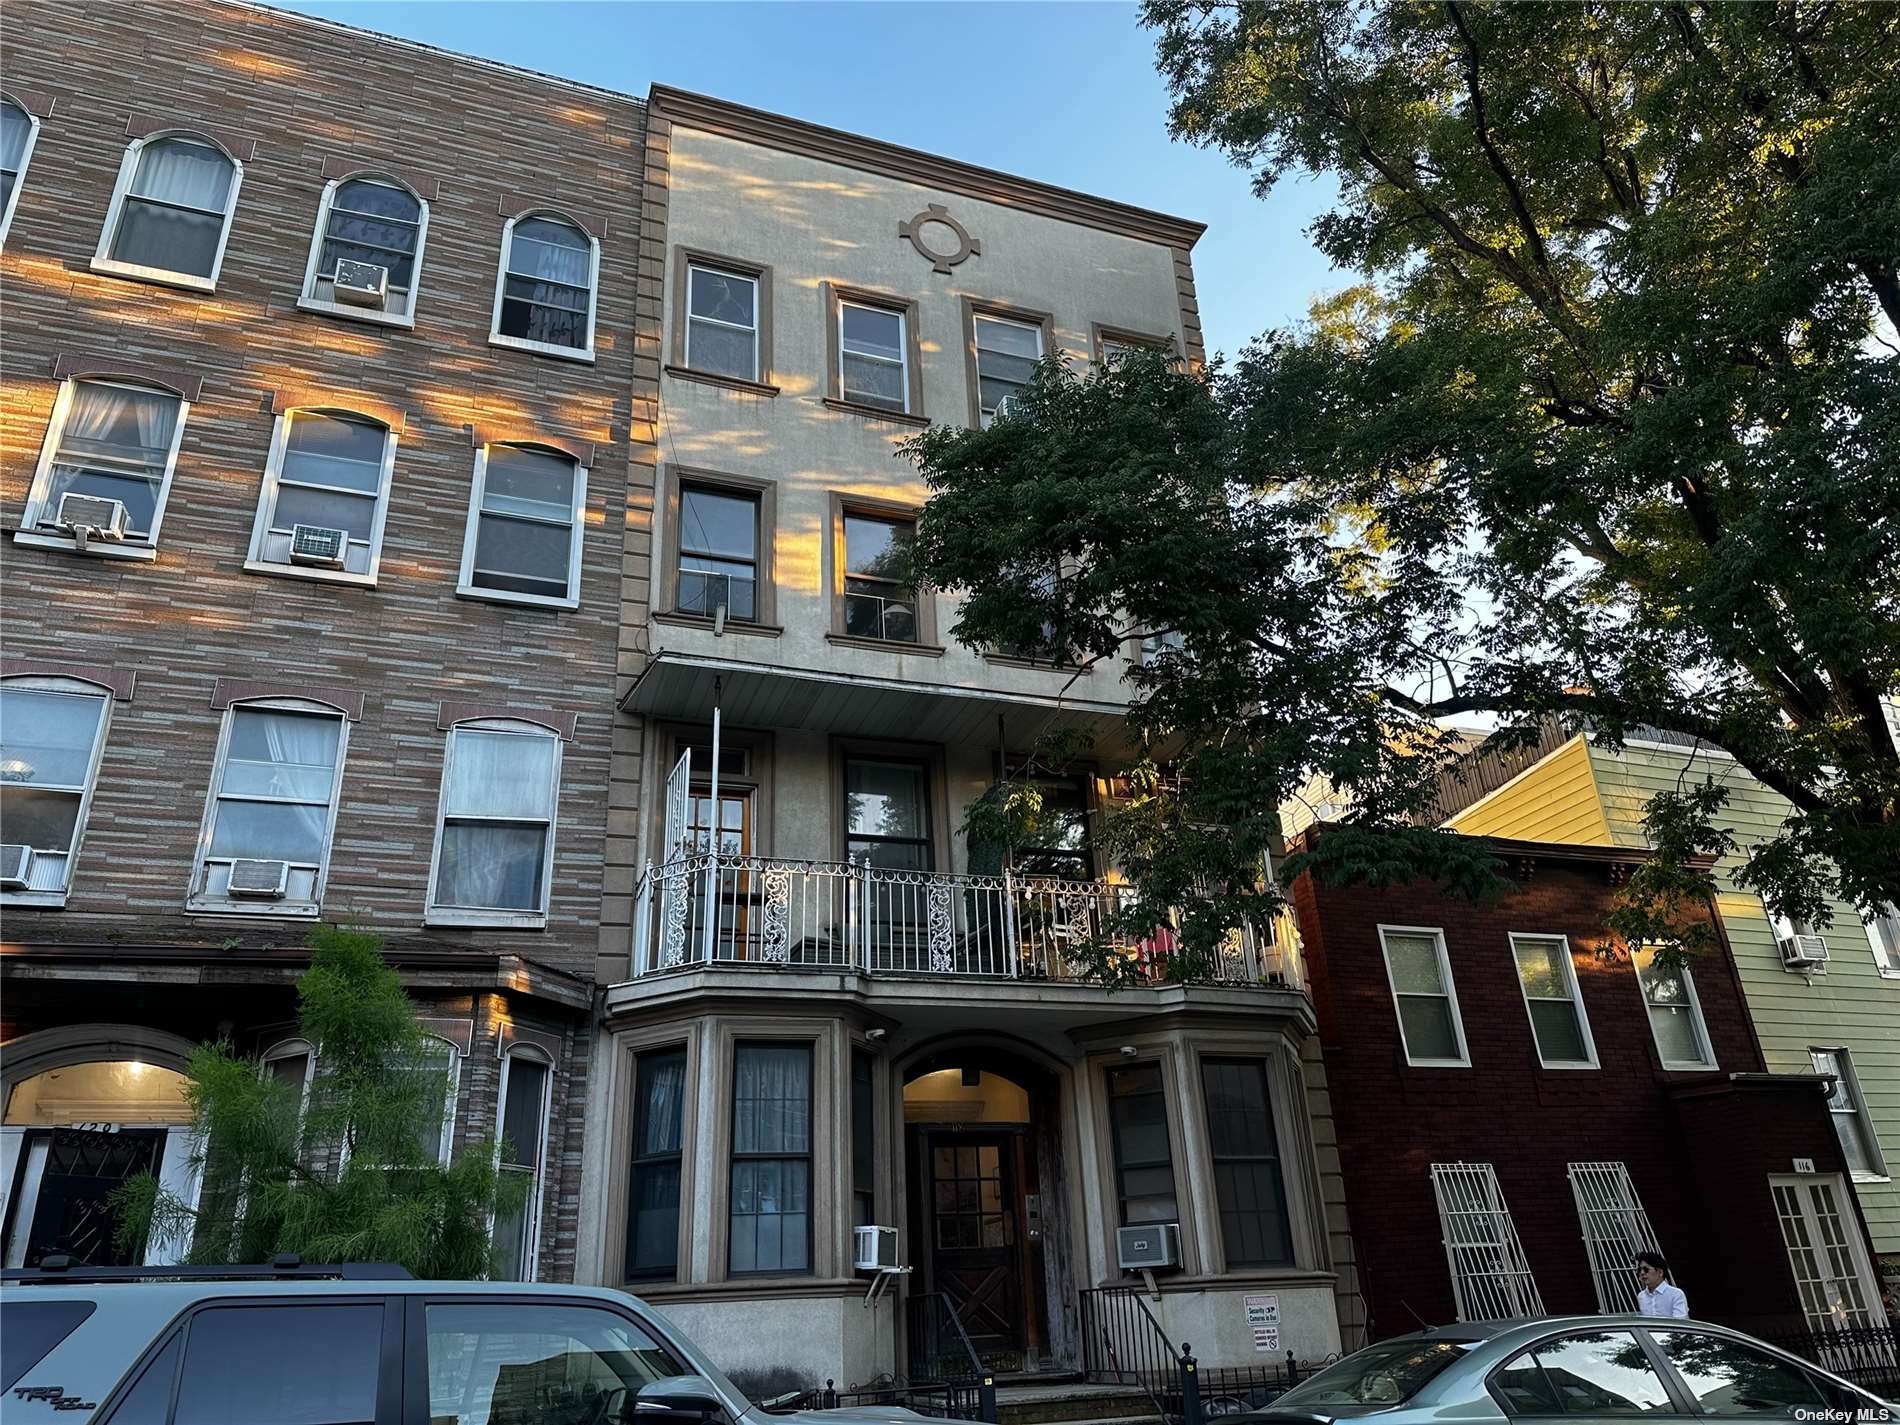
1245 1149
771 1218
653 1187
1138 1132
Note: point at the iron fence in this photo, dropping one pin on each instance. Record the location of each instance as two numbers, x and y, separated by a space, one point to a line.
1869 1356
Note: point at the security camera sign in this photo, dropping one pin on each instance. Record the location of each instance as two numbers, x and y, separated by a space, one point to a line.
1263 1319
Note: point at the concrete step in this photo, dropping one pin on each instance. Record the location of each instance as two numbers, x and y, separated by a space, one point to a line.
1071 1404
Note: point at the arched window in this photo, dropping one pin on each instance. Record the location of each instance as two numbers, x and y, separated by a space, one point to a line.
325 495
494 853
379 223
523 542
171 212
18 130
527 1093
51 734
440 1057
544 293
105 467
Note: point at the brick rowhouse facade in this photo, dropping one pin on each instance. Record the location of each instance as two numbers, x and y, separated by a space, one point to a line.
138 963
1699 1145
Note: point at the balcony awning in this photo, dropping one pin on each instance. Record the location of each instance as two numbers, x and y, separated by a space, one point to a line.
680 685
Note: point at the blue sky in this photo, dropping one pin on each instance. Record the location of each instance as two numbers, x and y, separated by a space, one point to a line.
1065 93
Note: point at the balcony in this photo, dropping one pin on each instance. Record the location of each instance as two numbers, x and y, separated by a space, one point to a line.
774 915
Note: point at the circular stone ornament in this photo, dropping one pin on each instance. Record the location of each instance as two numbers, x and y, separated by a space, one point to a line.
938 215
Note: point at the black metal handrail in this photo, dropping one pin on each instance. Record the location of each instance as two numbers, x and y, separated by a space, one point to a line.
1124 1344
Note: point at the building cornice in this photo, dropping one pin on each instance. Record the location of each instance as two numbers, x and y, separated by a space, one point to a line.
757 126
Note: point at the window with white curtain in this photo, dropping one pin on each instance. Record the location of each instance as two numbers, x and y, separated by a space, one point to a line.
526 1081
171 212
495 838
111 440
374 220
771 1160
328 472
273 804
523 541
18 132
544 293
51 733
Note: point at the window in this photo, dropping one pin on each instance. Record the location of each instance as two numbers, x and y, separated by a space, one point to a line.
1849 1109
863 1138
1675 1014
1113 345
149 1401
324 498
18 132
1169 643
171 212
293 1064
234 1368
523 543
1388 1373
526 1081
719 552
1729 1377
495 845
1246 1154
51 733
1883 933
887 814
373 220
1006 355
873 356
1548 977
771 1159
1490 1276
508 1363
29 1329
1043 646
879 600
1589 1373
109 440
1057 846
1615 1229
274 795
1419 971
653 1188
544 294
1138 1130
438 1069
1830 1265
722 323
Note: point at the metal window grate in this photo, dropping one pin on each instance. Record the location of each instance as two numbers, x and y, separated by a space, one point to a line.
1615 1229
1490 1275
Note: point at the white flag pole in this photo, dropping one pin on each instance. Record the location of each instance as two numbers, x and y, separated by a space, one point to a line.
711 916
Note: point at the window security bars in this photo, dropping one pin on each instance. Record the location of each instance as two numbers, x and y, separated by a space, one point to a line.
1490 1276
1615 1229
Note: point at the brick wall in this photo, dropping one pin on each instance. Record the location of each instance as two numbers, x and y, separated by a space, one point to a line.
1698 1146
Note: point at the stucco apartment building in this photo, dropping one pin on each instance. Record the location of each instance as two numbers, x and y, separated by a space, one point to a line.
320 394
824 1009
1823 999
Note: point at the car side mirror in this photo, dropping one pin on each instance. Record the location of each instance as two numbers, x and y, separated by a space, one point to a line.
679 1398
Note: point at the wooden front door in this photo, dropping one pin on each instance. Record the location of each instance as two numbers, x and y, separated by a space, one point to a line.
976 1237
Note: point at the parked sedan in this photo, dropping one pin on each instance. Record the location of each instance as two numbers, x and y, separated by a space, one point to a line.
1578 1367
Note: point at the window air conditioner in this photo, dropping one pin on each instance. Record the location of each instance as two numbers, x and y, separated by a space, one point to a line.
313 544
1148 1246
99 518
1803 952
260 880
16 865
874 1248
361 284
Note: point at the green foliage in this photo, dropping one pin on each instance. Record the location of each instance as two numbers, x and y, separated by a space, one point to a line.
355 1176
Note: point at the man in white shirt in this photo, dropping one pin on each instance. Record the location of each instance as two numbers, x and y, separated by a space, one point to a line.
1659 1296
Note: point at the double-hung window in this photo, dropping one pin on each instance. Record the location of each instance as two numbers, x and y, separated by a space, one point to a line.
265 846
722 322
437 1074
51 733
719 552
526 1089
1254 1223
523 542
1419 971
1883 934
1848 1108
887 813
325 496
1138 1132
1006 355
879 599
1675 1014
1548 977
18 131
377 222
109 443
653 1187
873 361
171 212
495 845
771 1159
544 294
863 1138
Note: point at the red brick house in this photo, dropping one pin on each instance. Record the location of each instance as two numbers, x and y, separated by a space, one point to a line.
1520 1109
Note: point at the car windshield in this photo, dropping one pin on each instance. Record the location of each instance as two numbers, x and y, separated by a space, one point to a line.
1387 1374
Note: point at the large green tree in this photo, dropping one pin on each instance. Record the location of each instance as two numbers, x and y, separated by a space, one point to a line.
1607 428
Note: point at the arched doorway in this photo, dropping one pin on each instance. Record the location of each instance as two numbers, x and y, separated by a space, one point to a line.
986 1209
